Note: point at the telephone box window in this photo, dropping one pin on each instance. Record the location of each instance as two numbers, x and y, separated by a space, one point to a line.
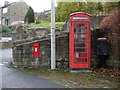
79 28
80 40
81 60
80 55
79 35
80 50
80 45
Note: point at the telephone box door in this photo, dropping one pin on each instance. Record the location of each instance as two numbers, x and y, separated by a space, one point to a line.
80 45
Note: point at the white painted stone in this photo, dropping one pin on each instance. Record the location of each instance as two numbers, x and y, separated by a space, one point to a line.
1 64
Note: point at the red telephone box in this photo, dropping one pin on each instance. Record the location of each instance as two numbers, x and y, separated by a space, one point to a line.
79 41
36 50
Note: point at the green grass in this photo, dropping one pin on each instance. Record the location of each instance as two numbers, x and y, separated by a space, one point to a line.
45 24
5 29
59 24
75 80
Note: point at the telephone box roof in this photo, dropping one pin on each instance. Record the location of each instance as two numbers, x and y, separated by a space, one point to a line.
80 13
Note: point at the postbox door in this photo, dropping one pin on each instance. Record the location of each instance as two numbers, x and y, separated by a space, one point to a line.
80 45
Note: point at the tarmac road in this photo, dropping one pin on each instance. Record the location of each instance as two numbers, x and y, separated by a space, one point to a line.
13 78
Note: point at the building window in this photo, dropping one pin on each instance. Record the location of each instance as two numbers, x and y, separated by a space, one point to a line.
6 22
5 10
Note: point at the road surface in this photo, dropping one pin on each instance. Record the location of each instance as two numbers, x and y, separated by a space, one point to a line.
13 78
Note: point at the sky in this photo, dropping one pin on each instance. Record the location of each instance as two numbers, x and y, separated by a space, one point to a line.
37 5
41 5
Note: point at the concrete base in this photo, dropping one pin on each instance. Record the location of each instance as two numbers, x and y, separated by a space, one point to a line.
79 71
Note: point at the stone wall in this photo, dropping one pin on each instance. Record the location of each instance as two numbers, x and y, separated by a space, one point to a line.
5 45
23 52
96 20
5 34
113 59
21 32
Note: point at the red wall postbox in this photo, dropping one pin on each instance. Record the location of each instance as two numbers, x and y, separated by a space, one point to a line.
79 41
36 50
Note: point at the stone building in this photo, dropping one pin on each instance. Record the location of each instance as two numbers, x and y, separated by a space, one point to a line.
44 15
11 12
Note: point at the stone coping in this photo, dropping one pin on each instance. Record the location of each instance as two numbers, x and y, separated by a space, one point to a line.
37 39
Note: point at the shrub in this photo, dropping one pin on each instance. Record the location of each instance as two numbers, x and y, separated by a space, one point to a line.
59 24
37 22
5 29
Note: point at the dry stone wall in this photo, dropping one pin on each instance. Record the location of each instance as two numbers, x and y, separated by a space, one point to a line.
23 52
5 45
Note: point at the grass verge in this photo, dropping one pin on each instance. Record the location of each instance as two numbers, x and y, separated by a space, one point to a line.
45 24
76 80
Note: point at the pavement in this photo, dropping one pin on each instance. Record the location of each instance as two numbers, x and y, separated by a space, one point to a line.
13 78
5 39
